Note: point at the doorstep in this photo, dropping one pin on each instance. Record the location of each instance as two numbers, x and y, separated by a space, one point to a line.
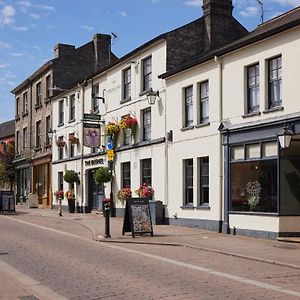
289 239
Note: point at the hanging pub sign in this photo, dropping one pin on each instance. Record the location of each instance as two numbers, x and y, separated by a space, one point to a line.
137 218
91 134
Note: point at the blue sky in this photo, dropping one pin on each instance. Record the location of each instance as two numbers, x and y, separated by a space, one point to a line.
29 29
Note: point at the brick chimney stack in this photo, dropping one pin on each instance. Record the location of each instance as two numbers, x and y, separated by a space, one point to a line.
218 21
102 46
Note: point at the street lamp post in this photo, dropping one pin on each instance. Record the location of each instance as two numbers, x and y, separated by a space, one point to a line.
111 196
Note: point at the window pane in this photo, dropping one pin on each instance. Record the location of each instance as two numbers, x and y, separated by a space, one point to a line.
275 84
237 153
253 151
269 149
146 171
254 186
188 165
188 106
204 102
204 180
253 88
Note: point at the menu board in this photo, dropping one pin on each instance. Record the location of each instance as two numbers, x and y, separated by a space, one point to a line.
7 201
137 218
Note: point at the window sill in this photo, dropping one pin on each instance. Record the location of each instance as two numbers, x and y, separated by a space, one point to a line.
24 114
71 121
188 206
37 149
277 108
203 207
60 125
145 92
187 128
125 100
17 117
48 145
202 125
38 106
252 114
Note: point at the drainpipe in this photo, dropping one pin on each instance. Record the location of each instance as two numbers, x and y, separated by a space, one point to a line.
221 160
82 146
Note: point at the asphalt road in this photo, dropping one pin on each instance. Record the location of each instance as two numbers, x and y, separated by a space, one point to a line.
62 256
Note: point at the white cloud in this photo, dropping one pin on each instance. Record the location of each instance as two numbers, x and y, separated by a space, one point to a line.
249 11
19 28
34 16
193 3
7 14
44 7
122 13
4 45
17 54
88 28
24 3
3 66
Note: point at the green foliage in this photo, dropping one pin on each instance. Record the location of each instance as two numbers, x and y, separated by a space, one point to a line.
7 170
102 175
71 176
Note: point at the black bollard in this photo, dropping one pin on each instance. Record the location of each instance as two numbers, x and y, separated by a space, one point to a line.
106 207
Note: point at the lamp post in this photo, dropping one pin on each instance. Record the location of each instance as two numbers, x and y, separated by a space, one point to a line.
111 196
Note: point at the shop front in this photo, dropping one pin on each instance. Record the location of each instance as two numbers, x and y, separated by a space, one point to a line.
22 180
41 181
262 179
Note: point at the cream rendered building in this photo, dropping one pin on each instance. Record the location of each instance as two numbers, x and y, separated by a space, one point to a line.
249 181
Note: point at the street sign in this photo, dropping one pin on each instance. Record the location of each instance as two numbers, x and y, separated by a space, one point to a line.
92 117
110 155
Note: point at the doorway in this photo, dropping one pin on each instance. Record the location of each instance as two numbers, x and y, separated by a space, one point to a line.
95 192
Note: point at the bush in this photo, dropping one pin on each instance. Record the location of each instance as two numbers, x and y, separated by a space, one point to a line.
102 175
71 176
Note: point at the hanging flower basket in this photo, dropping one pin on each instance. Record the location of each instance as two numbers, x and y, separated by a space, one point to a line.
59 194
123 194
73 139
128 122
112 129
60 143
145 191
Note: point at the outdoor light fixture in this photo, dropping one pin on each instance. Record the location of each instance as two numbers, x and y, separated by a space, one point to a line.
151 96
285 136
50 133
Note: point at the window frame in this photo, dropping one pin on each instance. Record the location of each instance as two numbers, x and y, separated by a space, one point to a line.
146 77
126 84
60 149
203 162
253 87
61 113
38 134
25 138
48 86
271 82
25 102
188 104
147 124
38 94
72 108
126 174
146 165
186 194
202 102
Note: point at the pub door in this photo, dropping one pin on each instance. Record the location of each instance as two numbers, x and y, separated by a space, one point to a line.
95 192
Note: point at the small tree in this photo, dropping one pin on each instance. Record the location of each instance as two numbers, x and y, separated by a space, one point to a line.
7 170
71 176
102 175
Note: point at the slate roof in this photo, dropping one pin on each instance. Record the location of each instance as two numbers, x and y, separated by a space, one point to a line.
7 129
268 29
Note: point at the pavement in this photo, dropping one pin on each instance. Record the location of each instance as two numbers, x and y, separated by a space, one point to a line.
283 252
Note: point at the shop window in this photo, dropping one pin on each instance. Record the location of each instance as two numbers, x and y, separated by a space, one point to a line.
253 88
188 106
188 182
146 171
204 180
270 149
275 82
125 175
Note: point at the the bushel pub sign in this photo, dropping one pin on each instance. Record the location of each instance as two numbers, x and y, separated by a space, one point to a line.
94 162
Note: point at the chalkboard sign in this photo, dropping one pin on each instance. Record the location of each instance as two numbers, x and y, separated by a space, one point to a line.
7 202
137 218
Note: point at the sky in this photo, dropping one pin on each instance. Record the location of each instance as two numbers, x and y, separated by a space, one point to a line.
29 29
